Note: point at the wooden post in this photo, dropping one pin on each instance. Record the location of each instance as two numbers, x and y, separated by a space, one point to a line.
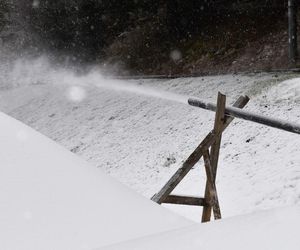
212 197
292 16
209 140
215 149
162 195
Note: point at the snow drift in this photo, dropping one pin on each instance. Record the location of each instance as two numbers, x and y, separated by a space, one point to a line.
50 199
268 230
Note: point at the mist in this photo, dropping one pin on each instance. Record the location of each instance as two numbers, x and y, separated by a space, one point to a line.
38 71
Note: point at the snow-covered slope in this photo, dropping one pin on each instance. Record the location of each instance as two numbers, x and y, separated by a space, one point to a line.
51 199
268 230
138 133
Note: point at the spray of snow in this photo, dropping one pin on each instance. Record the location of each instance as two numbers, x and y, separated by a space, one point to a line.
24 72
96 79
76 94
287 90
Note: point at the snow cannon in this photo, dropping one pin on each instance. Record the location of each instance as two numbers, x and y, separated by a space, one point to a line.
248 115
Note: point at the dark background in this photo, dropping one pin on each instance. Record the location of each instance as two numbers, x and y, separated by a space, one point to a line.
140 35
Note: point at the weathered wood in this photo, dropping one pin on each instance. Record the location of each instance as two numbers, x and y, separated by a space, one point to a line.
219 121
212 198
182 171
250 116
194 157
184 200
215 149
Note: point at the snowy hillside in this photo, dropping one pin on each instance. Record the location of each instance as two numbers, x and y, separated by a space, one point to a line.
51 199
140 131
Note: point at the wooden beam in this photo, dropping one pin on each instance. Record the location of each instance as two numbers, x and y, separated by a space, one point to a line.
212 190
182 171
215 149
194 157
184 200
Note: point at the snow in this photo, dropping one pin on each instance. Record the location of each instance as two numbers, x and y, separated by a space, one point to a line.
287 91
51 199
264 230
140 132
76 94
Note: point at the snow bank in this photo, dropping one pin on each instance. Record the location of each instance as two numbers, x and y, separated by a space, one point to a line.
50 199
268 230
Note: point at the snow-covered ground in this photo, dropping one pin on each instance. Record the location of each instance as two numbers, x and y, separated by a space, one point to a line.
268 230
52 199
141 131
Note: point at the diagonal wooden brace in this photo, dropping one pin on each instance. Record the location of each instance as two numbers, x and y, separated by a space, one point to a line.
212 197
214 152
195 156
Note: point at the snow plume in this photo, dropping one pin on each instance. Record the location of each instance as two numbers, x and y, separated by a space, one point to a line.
38 71
76 94
22 72
118 85
287 90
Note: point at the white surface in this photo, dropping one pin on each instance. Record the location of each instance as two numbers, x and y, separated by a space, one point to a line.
51 199
129 129
269 230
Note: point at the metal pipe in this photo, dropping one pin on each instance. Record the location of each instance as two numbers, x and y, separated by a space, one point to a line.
292 16
250 116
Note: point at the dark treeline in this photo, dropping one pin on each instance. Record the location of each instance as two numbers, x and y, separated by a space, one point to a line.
87 25
3 14
89 28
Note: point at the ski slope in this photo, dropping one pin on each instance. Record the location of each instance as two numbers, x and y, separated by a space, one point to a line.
51 199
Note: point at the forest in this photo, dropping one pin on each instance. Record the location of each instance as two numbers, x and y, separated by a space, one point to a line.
140 35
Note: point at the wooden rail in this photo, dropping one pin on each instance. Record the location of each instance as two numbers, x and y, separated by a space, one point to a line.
184 200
